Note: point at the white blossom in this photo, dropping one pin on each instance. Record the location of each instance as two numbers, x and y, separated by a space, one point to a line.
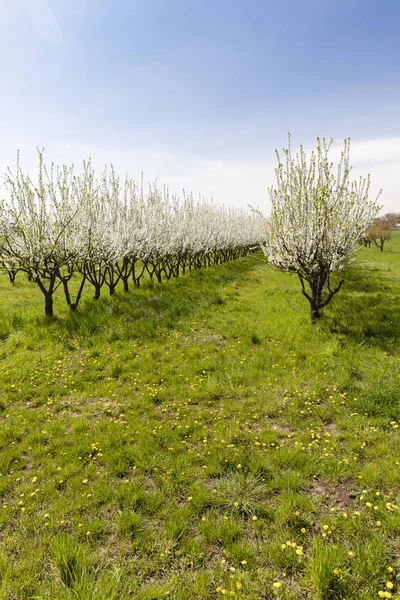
317 219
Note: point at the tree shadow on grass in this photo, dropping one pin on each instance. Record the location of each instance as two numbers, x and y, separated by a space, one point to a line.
154 308
367 311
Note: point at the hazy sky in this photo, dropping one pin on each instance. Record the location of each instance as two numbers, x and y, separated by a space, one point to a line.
199 93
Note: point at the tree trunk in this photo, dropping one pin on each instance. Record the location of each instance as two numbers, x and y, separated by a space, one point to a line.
48 306
315 314
12 275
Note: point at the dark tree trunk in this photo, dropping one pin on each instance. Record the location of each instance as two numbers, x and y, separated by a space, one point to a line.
73 305
48 306
11 276
316 298
47 292
315 315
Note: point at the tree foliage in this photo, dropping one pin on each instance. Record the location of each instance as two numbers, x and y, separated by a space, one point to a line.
380 230
317 219
107 230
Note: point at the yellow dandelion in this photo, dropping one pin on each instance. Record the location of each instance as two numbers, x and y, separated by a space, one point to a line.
277 585
389 585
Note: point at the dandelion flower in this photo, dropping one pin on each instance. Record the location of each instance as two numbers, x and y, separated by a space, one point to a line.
277 585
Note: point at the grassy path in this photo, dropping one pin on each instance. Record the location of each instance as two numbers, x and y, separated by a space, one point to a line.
201 439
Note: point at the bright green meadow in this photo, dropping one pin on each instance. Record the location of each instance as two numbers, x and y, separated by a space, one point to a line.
201 439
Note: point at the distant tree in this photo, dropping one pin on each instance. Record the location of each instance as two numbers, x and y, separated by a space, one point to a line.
392 219
317 220
380 231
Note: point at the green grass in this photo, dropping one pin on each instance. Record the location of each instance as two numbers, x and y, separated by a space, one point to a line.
200 439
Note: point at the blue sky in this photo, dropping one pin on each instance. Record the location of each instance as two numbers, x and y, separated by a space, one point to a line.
201 92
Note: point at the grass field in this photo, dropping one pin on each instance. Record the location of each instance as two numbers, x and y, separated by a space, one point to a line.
201 439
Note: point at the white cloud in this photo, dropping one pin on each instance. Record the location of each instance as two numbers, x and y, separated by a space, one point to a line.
383 151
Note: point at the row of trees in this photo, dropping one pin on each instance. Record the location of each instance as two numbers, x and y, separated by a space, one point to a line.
107 230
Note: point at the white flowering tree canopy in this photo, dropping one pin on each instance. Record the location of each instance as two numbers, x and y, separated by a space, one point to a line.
318 217
104 230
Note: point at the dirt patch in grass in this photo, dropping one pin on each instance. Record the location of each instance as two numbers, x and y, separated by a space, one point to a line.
200 338
340 496
332 428
282 429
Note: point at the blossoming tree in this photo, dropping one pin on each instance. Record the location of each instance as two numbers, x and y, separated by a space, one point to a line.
317 219
64 228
